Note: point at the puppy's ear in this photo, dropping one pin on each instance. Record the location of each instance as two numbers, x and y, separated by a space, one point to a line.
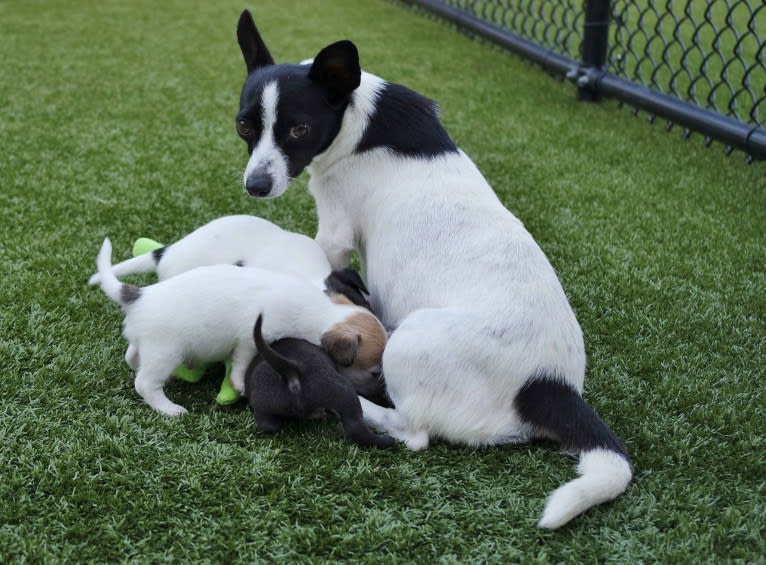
348 283
341 343
250 42
336 68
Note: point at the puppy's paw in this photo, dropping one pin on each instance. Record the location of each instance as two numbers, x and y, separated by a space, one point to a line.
238 383
173 410
384 442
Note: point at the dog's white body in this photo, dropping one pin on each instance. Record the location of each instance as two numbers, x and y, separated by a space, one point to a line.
208 313
242 240
485 347
476 306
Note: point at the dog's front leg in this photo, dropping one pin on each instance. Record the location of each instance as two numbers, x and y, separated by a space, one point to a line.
335 234
337 246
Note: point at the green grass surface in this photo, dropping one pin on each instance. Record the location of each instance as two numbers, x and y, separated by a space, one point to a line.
118 118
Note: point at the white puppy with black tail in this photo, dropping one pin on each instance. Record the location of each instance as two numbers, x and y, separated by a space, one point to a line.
207 314
245 241
486 348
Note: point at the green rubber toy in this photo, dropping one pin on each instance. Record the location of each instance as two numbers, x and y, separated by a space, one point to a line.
227 394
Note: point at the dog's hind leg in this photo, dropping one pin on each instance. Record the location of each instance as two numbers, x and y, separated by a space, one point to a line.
268 423
345 403
240 359
151 376
131 357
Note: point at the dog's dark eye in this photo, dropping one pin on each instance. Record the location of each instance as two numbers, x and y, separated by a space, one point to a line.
243 129
299 131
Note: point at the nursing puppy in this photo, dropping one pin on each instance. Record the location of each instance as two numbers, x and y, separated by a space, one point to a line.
486 348
250 241
293 379
245 241
206 314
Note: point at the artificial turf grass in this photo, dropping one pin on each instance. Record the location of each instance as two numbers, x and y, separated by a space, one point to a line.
118 119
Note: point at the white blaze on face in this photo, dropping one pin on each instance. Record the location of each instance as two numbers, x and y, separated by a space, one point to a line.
266 157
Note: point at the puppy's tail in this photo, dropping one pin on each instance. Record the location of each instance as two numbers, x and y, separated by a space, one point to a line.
145 263
286 368
557 411
122 294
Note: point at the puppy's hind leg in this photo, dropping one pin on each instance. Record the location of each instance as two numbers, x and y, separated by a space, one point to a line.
131 357
151 376
268 423
347 405
240 359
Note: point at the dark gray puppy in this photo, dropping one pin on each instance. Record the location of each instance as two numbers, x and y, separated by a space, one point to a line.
292 379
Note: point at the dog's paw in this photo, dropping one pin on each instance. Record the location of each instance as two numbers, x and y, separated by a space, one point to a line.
384 442
173 410
416 441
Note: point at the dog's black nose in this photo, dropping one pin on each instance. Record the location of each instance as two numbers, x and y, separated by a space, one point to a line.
258 185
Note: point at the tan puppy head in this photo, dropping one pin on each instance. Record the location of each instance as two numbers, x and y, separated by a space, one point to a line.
356 342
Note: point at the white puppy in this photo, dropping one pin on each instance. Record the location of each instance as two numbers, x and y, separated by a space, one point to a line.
246 241
207 314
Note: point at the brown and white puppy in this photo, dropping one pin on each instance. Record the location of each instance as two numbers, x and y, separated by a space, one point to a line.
206 314
293 379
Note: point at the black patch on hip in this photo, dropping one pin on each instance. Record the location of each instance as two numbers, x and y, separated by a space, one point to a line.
558 410
129 293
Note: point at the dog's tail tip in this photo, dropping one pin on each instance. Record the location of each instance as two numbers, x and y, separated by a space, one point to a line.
604 475
105 253
108 281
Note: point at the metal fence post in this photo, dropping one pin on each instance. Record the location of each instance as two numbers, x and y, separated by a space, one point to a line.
594 43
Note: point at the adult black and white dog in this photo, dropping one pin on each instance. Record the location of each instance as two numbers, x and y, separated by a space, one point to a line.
485 348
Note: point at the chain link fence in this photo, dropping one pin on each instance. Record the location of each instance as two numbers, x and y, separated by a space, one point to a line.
698 63
712 54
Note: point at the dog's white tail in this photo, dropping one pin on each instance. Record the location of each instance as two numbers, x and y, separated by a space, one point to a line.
557 411
145 263
604 475
122 294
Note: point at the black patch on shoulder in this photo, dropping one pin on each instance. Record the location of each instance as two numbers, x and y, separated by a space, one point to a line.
129 293
239 263
406 123
158 253
559 411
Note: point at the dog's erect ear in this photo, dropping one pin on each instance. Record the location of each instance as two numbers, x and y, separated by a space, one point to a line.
250 42
336 68
341 343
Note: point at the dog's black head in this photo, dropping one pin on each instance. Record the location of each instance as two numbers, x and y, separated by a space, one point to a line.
288 114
